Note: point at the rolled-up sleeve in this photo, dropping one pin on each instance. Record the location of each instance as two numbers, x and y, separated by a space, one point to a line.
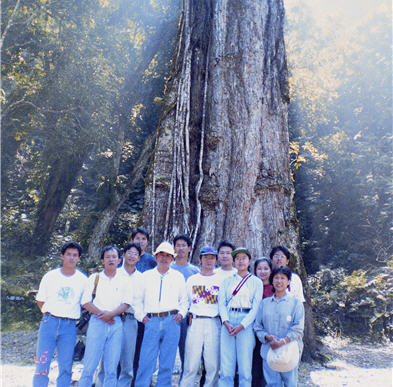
296 328
88 291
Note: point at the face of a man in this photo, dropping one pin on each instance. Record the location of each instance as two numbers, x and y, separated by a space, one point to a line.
131 256
111 260
163 261
279 259
182 249
70 258
142 240
225 257
208 262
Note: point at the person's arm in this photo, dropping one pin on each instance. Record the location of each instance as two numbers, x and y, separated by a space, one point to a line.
40 304
183 300
139 299
257 291
296 327
259 327
222 304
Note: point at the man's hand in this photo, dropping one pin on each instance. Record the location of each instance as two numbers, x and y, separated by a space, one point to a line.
145 320
106 317
274 344
178 317
228 326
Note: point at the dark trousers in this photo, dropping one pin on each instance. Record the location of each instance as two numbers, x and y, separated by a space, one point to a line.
138 345
257 374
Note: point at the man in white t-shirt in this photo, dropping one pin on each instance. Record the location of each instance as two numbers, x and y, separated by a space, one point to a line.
203 335
161 305
114 295
59 298
280 256
225 258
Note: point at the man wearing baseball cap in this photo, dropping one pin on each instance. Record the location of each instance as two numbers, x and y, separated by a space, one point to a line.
203 335
161 304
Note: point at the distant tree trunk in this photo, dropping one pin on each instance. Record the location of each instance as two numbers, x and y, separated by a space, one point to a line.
221 163
118 197
61 179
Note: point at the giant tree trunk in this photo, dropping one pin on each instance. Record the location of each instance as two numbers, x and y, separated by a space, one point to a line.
221 163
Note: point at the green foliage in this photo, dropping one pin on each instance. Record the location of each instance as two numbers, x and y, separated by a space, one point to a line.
340 125
359 305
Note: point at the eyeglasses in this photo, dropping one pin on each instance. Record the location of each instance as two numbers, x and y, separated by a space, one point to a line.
134 253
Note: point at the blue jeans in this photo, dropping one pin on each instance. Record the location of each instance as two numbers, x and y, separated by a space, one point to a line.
161 336
102 339
55 332
236 349
130 330
277 379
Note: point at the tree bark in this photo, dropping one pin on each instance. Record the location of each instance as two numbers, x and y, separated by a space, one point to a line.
221 163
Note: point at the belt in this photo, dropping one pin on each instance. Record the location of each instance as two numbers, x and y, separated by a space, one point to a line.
61 318
196 316
163 314
245 310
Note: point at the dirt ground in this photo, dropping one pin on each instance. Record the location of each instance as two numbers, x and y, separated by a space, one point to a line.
351 364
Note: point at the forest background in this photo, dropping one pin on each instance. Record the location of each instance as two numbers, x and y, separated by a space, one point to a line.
82 86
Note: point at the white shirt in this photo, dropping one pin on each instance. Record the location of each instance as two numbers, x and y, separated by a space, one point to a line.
111 291
134 281
202 292
296 287
61 294
225 273
161 293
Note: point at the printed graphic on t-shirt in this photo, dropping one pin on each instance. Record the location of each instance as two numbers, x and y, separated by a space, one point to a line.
204 294
65 294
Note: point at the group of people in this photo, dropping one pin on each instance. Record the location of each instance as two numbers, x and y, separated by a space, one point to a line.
143 309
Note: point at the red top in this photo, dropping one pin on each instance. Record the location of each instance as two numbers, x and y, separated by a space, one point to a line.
267 290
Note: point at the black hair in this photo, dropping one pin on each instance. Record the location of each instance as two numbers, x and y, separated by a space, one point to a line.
182 237
71 245
280 248
140 230
281 269
129 245
225 243
264 259
107 248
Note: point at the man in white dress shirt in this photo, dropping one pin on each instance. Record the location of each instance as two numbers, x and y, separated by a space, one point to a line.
162 303
104 334
281 256
225 259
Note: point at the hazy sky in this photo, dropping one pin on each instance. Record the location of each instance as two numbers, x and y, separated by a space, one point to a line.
346 10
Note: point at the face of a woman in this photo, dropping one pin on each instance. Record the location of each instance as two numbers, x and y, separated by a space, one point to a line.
242 261
279 259
280 282
263 271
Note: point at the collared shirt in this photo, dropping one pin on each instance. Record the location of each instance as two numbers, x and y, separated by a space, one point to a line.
111 291
187 270
134 280
61 294
161 293
202 292
146 262
249 296
284 317
296 287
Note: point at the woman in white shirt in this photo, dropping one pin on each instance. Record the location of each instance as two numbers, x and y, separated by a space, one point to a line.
239 298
